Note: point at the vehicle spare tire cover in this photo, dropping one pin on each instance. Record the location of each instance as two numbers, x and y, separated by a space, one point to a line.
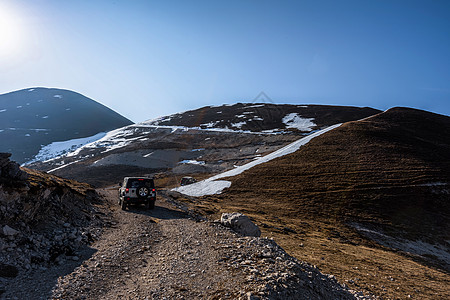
142 191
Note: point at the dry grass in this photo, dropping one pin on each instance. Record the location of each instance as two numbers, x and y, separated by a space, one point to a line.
375 172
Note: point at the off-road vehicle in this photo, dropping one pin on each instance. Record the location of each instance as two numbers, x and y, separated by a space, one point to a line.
137 190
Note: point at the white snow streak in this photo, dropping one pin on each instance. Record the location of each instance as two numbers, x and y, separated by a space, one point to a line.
211 186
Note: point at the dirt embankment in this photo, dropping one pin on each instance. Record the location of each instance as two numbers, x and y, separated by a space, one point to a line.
43 219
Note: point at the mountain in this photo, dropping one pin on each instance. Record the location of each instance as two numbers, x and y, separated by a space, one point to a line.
351 194
32 118
265 117
199 142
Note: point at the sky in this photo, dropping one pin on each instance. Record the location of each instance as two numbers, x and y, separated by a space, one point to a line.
146 59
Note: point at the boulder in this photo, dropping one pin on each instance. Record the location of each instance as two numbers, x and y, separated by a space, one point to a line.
11 169
9 231
240 223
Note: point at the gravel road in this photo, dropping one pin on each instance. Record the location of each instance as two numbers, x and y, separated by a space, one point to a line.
166 254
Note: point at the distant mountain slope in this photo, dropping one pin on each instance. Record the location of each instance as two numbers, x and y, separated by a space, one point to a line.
33 117
259 117
182 144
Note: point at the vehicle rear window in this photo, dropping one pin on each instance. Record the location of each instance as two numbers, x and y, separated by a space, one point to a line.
134 183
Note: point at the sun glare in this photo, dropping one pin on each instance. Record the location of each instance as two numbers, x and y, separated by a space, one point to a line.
10 33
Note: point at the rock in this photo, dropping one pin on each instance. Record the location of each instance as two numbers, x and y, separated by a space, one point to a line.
240 223
8 270
9 231
11 169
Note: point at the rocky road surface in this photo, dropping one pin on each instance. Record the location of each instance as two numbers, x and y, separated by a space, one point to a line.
167 254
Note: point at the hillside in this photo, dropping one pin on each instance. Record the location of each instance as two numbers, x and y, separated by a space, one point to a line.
197 143
393 169
32 118
345 198
265 117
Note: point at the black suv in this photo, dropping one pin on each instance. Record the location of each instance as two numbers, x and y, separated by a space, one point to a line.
137 190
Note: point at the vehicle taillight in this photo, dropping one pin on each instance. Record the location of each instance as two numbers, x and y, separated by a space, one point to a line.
154 190
141 179
126 190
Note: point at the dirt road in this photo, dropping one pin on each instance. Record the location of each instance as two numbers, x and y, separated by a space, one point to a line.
166 254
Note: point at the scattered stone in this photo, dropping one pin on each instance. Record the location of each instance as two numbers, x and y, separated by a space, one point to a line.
9 231
240 223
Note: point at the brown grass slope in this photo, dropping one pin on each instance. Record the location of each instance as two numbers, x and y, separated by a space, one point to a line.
381 172
387 169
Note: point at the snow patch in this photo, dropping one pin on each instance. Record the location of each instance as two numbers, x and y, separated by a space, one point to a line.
238 124
419 247
63 166
293 120
257 119
19 106
58 96
211 186
192 162
148 154
30 90
210 124
255 106
45 117
56 149
204 187
3 110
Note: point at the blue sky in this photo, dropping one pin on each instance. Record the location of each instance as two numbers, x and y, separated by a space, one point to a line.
145 59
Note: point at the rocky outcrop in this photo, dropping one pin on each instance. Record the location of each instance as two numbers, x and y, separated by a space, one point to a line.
10 170
240 223
43 219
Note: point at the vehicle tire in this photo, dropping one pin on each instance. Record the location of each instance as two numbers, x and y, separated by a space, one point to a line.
142 192
123 205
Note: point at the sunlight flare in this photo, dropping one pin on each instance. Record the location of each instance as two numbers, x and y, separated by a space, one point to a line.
11 33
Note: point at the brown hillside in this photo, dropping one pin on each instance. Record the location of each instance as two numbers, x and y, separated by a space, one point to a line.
388 173
386 169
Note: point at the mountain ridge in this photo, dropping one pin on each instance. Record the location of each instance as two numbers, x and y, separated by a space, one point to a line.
200 141
33 117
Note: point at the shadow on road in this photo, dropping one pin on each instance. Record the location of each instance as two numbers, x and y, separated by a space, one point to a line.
159 212
46 277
